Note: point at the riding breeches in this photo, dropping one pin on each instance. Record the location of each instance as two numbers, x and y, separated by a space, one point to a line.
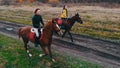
35 30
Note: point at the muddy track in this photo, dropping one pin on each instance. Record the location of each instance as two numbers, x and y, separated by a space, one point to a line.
107 50
83 48
110 49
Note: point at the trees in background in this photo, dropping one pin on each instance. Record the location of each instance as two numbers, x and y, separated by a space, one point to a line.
8 2
5 2
90 1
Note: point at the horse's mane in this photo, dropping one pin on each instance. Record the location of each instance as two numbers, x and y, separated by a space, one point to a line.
48 24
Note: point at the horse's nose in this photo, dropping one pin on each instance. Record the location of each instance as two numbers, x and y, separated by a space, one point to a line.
81 22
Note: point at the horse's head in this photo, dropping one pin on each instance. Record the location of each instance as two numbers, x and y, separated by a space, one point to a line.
56 28
77 18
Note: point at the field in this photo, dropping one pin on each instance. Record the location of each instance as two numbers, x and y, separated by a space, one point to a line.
99 22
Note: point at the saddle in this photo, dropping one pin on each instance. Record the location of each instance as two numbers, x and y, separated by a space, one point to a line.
32 35
60 22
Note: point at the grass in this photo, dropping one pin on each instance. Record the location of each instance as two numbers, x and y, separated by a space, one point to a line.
17 16
102 29
13 55
99 29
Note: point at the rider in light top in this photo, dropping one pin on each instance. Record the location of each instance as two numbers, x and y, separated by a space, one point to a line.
36 20
64 14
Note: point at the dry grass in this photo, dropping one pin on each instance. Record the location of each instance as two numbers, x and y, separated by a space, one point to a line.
95 12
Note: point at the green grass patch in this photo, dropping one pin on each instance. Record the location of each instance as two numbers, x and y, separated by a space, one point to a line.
99 29
17 16
13 55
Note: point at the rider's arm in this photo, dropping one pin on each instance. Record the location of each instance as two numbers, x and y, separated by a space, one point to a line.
66 13
41 20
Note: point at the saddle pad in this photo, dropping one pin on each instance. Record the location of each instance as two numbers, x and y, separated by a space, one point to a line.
59 22
31 35
32 30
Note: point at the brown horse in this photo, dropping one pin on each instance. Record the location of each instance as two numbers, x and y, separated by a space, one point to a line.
45 39
69 23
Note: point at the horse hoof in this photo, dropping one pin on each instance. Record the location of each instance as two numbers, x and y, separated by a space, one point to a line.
41 55
53 60
30 55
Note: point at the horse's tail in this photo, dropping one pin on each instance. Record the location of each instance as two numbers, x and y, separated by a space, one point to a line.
19 34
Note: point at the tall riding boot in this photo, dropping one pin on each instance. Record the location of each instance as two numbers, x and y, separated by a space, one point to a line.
36 41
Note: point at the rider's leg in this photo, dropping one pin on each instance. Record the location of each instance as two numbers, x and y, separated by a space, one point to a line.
39 32
63 22
36 32
36 36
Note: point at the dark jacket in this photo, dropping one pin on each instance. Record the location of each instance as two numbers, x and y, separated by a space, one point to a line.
36 20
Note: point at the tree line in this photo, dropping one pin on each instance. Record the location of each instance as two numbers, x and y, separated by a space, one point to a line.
60 1
81 1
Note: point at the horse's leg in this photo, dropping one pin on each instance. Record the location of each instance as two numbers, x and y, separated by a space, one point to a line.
64 33
26 46
45 52
50 53
70 36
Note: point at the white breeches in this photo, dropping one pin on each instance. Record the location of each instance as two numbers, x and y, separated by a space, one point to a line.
35 30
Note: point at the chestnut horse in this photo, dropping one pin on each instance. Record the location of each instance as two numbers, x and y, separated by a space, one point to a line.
45 40
69 23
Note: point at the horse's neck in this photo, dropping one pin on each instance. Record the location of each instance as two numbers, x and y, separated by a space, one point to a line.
72 21
47 33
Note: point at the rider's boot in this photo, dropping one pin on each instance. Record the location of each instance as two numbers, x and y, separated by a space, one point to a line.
36 41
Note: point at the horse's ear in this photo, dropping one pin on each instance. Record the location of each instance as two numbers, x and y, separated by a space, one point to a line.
54 20
76 14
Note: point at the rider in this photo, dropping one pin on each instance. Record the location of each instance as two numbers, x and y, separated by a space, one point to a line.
64 14
36 20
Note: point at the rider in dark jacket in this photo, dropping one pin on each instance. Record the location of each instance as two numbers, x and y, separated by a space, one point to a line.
36 20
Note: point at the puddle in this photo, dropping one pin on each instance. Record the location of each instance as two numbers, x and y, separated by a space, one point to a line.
9 29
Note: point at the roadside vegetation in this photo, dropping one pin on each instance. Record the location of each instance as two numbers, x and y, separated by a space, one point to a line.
102 23
13 55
